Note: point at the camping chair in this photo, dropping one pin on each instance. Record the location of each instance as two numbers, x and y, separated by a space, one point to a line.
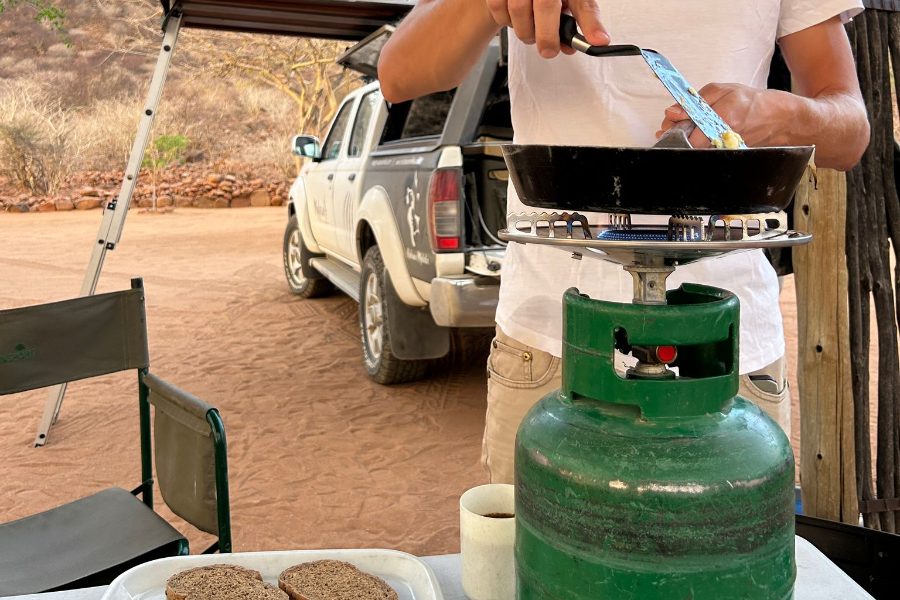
92 540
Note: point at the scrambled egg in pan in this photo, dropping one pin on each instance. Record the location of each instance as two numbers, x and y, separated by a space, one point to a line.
731 140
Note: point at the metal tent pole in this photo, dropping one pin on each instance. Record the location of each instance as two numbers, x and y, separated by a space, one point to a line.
115 212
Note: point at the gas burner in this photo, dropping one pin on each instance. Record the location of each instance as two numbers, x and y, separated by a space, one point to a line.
681 228
684 240
634 235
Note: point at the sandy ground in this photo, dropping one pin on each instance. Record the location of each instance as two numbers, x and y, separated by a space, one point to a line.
319 455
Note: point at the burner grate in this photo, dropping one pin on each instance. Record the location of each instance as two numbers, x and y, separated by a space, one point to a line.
619 221
686 228
621 228
684 240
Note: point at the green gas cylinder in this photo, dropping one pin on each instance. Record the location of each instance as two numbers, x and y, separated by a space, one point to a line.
653 487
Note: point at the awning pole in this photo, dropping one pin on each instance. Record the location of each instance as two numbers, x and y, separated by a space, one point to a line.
115 212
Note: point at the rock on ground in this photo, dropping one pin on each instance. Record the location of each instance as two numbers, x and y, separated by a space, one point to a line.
260 198
87 203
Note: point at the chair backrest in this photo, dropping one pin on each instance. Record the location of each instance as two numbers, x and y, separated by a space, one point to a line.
75 339
191 458
55 343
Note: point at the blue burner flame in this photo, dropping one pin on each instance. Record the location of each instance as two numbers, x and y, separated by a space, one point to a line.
643 235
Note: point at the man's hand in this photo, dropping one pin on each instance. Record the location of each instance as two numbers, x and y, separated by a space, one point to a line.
827 111
537 22
437 44
758 115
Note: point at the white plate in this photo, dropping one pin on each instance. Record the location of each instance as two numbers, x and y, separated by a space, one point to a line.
409 576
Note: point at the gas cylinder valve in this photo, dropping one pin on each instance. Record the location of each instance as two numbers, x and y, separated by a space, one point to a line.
653 361
664 355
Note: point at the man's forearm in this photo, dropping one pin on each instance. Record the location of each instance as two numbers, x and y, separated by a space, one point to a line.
434 48
829 111
835 123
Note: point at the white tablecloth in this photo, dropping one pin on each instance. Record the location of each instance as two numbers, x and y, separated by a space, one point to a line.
817 579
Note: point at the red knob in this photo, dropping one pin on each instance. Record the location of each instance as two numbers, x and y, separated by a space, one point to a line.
666 354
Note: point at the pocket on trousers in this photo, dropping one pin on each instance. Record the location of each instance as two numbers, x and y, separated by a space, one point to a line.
516 365
749 387
778 406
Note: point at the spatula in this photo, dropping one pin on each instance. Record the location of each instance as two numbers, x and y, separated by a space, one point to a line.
701 113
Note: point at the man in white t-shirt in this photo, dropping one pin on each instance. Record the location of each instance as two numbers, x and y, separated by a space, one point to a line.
560 97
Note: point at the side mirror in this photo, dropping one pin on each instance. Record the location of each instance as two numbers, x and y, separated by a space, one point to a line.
306 146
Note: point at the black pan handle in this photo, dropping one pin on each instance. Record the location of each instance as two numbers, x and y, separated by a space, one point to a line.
568 35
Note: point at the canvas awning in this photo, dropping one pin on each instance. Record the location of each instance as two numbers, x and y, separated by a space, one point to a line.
332 19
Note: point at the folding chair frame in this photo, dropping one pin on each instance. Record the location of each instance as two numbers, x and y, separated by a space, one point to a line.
223 500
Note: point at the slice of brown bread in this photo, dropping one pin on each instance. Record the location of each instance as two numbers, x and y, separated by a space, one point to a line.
333 580
221 582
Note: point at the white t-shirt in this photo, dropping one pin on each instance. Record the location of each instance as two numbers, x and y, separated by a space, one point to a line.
582 100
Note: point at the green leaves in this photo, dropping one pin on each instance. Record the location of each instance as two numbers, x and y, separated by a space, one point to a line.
46 13
165 150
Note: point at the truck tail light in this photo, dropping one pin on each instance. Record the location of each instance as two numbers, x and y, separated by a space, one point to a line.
444 200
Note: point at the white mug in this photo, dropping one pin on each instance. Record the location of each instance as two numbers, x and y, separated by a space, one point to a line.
486 542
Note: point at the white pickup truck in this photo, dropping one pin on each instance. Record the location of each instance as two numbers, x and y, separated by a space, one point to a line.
399 208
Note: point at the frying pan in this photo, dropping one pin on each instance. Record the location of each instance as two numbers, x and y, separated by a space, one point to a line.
659 180
656 181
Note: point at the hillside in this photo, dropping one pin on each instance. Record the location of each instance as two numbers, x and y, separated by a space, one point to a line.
69 105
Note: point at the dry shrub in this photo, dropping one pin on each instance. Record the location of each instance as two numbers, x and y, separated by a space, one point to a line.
82 120
272 156
31 158
106 130
254 101
275 116
36 143
107 127
197 110
85 82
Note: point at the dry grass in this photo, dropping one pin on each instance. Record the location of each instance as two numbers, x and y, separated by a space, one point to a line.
36 142
88 98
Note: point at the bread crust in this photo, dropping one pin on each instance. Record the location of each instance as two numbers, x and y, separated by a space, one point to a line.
192 584
366 586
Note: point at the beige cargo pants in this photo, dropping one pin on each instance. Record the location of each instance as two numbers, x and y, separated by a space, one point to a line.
519 376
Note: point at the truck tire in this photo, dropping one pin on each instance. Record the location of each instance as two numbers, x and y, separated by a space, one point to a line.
381 364
296 261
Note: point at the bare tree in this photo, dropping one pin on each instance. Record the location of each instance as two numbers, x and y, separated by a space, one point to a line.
301 68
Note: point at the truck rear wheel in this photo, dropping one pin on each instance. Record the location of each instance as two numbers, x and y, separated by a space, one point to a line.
378 356
297 267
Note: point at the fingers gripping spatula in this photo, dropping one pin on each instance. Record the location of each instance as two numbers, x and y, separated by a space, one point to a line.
701 113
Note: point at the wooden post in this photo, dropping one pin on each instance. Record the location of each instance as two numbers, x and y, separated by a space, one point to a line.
828 464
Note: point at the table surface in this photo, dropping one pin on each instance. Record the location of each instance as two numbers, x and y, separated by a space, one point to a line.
817 579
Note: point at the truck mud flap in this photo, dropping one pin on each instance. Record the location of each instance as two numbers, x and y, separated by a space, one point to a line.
309 271
414 334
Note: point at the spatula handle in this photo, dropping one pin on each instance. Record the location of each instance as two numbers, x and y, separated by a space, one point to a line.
568 34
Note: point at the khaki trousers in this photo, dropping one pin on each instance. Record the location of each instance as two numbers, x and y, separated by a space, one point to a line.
519 376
